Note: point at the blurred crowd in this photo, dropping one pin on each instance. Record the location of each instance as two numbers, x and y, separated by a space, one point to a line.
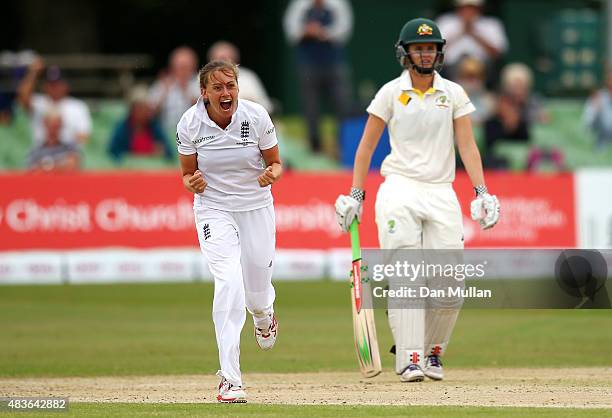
61 124
318 31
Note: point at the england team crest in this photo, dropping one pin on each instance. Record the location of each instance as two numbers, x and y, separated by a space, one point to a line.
244 130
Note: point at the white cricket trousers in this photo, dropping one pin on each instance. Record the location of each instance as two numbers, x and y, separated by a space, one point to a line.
416 215
413 214
239 247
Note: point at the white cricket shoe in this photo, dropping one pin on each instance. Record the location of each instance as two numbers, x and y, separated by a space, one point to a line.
266 338
433 368
229 393
412 373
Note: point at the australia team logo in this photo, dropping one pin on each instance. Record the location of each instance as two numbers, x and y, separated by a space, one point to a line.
391 226
424 30
442 102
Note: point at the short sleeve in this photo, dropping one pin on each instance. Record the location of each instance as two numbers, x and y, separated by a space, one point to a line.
38 105
496 35
462 103
183 143
82 119
381 105
267 137
155 94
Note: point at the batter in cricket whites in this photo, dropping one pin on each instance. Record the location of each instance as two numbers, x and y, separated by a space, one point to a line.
416 206
229 158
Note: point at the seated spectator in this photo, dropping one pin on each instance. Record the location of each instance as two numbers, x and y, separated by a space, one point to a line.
472 78
140 133
469 33
598 113
76 120
251 87
53 154
545 159
517 109
176 89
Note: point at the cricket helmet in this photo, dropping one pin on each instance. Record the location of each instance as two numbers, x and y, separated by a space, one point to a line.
416 31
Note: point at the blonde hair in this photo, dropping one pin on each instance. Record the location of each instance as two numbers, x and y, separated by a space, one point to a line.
138 94
516 72
471 66
224 46
224 66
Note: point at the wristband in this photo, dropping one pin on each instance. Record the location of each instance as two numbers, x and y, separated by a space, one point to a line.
480 190
357 194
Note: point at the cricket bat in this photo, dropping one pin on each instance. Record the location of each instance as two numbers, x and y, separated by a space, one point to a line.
364 326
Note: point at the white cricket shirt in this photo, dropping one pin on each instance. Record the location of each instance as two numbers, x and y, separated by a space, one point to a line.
421 127
76 119
230 159
176 100
461 44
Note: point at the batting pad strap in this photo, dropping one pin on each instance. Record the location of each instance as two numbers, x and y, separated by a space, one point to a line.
480 190
357 194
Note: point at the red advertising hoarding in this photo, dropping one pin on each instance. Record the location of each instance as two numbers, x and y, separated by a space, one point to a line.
537 211
145 210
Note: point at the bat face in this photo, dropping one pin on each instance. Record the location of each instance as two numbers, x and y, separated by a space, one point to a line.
366 343
364 325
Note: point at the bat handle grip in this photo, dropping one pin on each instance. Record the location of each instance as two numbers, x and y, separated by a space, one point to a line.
355 244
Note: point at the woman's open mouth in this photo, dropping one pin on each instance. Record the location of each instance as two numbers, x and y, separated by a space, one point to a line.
226 104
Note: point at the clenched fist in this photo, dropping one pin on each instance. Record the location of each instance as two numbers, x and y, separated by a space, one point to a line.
195 183
268 177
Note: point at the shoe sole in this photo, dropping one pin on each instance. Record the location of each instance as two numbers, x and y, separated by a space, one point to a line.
416 379
233 400
264 348
272 346
413 379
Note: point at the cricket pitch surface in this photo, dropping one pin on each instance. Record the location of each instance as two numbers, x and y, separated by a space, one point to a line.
537 387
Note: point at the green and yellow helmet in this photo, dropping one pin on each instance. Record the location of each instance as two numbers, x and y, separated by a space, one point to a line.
416 31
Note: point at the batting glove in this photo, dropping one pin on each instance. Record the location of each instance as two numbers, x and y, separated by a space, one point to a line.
485 208
349 208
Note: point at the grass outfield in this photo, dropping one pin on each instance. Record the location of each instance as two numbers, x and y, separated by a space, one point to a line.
166 329
147 329
170 410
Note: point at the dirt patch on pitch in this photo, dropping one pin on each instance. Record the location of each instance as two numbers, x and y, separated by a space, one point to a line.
585 387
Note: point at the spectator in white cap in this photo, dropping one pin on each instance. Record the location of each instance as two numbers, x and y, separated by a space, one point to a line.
139 133
471 34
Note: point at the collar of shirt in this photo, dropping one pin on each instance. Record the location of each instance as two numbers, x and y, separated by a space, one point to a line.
202 113
406 83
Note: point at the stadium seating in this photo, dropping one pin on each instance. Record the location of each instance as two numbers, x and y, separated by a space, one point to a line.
565 132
